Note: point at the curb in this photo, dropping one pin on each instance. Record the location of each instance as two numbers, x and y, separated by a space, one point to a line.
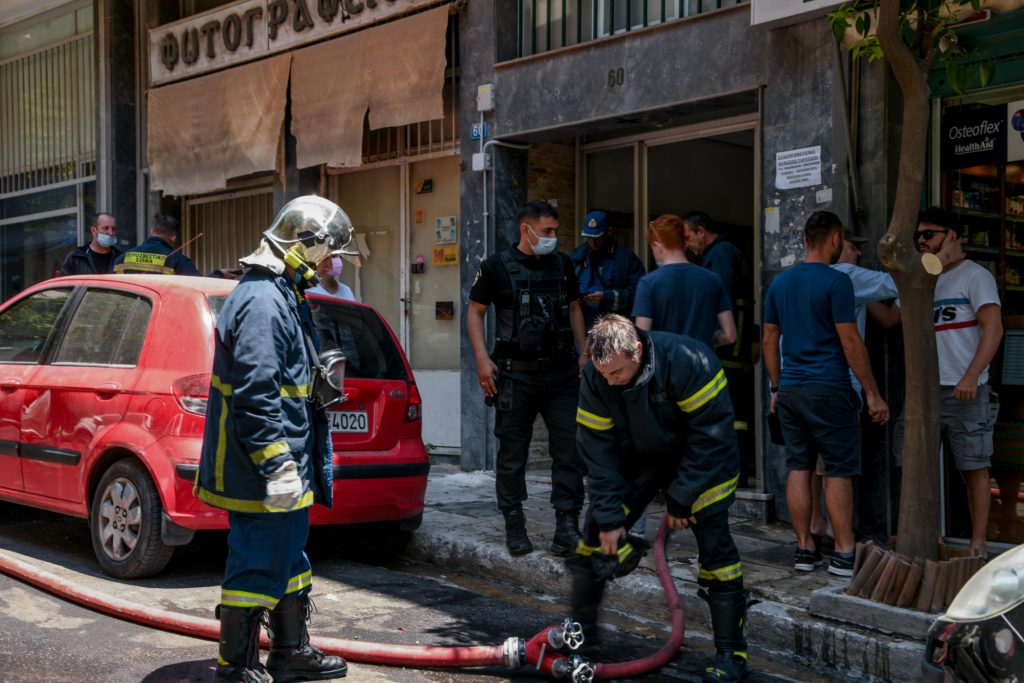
775 630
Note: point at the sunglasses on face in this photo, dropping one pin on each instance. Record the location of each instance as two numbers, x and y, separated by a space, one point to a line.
928 234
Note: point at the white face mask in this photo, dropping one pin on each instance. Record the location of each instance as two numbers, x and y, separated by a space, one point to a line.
545 245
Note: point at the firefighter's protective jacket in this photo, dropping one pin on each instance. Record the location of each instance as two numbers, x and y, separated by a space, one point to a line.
154 255
677 414
258 413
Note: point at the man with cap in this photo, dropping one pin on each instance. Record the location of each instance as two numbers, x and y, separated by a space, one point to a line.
870 289
607 272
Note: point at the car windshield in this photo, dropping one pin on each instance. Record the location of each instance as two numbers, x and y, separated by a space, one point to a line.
370 350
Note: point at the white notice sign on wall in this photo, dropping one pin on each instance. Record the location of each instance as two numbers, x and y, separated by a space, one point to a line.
798 168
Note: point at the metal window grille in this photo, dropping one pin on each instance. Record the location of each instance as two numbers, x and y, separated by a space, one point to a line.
48 116
231 223
551 24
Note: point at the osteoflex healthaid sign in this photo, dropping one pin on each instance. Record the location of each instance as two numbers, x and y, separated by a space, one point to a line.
973 137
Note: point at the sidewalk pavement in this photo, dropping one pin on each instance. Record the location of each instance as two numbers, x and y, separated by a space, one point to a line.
463 530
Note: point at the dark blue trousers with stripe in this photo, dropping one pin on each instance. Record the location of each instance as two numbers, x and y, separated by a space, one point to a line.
266 558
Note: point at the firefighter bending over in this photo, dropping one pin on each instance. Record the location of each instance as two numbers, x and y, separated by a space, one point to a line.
654 414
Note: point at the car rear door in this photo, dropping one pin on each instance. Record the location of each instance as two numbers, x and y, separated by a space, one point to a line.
26 326
84 389
376 377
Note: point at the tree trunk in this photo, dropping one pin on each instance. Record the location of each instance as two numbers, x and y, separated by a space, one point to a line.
918 529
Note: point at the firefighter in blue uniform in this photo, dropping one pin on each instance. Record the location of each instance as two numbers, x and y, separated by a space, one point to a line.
654 415
157 253
267 454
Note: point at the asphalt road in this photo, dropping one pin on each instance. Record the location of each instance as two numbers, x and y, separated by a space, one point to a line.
44 639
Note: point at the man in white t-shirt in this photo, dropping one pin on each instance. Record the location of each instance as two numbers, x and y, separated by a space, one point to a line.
968 330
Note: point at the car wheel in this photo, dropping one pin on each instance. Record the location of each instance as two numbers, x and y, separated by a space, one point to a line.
125 523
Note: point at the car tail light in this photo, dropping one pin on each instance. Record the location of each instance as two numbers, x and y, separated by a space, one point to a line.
414 411
192 392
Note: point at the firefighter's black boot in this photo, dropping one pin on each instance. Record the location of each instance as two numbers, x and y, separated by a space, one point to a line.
292 656
515 531
587 591
728 620
239 658
567 533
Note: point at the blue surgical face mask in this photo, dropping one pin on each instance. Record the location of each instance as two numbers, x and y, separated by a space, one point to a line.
106 241
545 245
336 265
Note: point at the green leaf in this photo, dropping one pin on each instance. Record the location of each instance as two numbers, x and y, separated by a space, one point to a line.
953 77
860 25
867 22
985 70
976 5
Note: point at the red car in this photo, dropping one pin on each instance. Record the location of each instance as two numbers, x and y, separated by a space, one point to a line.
104 382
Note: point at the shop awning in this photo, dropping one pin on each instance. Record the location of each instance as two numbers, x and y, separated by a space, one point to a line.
394 71
227 124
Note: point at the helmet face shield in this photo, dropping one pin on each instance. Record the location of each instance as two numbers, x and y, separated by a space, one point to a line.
314 228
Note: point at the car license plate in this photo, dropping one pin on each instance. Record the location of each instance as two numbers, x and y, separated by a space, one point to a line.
350 422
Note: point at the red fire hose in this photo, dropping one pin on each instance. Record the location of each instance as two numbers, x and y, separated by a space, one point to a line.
512 653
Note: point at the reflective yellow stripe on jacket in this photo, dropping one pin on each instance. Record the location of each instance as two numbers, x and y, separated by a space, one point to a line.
595 422
714 494
705 394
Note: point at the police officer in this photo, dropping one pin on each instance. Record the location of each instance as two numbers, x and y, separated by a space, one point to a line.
267 454
654 415
534 369
157 253
607 272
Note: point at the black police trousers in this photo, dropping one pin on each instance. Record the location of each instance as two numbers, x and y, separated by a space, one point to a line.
719 566
556 403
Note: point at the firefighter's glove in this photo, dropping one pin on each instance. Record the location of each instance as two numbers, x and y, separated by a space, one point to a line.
284 488
631 551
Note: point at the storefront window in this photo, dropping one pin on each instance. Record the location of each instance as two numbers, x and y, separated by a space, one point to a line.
33 251
982 182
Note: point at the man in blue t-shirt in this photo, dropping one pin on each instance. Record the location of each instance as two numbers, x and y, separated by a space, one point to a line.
681 297
812 307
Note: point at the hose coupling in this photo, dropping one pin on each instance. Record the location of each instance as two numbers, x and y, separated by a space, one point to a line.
514 652
570 635
573 667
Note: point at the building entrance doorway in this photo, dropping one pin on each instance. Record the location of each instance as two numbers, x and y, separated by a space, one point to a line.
711 168
406 220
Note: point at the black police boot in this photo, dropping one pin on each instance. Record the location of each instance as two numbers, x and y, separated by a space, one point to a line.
239 657
567 533
292 656
515 532
728 619
585 599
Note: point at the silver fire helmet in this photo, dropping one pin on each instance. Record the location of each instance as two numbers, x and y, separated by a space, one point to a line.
315 228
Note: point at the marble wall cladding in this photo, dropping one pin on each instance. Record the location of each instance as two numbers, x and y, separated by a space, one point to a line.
551 175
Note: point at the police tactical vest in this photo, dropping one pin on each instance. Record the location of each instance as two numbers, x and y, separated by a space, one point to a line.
540 312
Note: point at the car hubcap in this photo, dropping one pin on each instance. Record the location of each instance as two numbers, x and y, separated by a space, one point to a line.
120 519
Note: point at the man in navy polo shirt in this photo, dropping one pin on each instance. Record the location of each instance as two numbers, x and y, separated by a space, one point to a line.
812 307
